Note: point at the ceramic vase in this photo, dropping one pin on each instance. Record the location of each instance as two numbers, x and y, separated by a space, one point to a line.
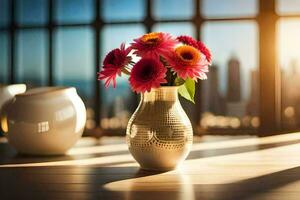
159 133
45 121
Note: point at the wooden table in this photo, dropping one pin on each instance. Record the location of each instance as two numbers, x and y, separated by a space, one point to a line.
217 168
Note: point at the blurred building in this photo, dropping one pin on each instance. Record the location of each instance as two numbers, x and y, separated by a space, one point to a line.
290 87
253 103
234 106
213 100
233 80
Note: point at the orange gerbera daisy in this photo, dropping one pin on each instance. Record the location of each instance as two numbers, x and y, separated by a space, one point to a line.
188 62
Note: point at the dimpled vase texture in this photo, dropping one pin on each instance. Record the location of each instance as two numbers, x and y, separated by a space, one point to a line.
159 133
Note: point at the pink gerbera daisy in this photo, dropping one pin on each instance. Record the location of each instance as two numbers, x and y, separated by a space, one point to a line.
146 74
188 62
113 64
197 44
154 45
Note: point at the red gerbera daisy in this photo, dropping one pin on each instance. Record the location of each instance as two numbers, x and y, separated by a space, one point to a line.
188 62
113 64
154 45
146 74
197 44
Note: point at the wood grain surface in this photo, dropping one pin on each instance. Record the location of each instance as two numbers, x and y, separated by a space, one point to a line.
218 168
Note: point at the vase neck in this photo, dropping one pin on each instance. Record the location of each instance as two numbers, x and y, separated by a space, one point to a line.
167 93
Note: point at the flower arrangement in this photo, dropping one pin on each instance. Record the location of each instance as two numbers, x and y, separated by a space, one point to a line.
164 60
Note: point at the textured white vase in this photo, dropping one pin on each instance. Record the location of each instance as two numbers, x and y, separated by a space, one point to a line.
45 121
159 133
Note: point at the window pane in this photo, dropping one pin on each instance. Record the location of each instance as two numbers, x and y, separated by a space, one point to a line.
288 7
117 104
4 57
32 57
289 61
74 11
4 12
175 29
116 10
74 61
230 94
173 9
31 11
229 8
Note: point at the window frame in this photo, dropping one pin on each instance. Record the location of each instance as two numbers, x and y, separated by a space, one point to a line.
269 99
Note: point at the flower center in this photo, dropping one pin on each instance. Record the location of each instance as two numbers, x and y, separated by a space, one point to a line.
151 38
147 72
188 54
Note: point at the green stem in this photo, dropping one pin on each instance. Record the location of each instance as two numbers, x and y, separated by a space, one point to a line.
126 71
170 77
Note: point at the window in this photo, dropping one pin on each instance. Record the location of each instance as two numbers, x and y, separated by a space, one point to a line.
64 42
288 7
118 103
4 57
230 95
229 8
125 10
173 9
73 11
289 61
31 12
31 57
4 13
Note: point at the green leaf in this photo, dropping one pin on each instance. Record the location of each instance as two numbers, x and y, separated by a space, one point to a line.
187 90
178 81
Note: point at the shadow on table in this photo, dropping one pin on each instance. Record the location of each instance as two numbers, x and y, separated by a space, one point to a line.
8 155
71 182
64 183
240 149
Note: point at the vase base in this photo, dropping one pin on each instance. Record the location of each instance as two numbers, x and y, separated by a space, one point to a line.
158 169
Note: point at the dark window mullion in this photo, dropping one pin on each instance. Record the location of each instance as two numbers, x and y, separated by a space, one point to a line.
98 26
50 42
270 86
197 22
12 42
149 21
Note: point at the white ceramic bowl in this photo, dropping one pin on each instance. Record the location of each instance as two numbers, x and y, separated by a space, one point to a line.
7 93
45 121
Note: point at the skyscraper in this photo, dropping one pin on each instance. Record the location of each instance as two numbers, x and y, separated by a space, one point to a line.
234 104
213 101
233 80
253 107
